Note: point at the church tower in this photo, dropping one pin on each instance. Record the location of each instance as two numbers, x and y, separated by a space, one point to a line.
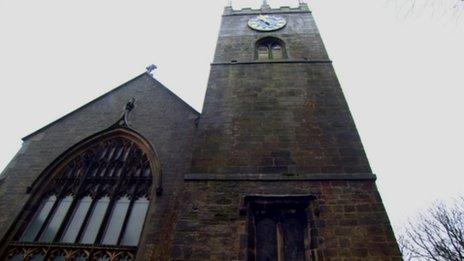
272 169
278 170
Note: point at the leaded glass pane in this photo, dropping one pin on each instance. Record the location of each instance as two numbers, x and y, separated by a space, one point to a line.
59 258
38 257
95 221
52 228
114 227
37 222
17 258
77 220
135 224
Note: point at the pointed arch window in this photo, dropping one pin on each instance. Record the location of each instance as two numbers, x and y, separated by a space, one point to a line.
270 48
94 203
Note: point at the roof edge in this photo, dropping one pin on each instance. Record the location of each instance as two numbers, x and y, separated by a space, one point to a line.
103 96
175 96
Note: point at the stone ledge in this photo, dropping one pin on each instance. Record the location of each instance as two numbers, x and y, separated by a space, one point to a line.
278 177
270 62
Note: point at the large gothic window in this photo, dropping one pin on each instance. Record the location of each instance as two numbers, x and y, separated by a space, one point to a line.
270 48
92 206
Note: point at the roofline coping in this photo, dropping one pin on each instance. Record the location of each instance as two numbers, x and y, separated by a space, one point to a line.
104 95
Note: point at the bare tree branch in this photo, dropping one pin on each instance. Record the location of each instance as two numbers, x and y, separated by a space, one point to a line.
437 234
444 10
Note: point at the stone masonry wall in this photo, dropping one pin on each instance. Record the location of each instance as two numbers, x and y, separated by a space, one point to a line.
351 223
279 116
265 118
237 41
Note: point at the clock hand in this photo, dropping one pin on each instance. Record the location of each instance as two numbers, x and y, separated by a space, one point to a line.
264 19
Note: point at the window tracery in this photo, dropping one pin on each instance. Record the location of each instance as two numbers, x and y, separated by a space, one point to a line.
94 206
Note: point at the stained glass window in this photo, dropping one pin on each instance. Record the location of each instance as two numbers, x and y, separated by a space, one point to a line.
100 197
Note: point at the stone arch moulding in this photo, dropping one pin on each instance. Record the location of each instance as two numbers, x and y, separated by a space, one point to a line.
40 188
117 130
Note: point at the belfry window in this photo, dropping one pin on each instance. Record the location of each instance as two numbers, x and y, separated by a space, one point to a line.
270 48
279 228
94 205
277 52
263 52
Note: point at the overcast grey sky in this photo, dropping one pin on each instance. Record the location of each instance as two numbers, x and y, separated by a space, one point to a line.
401 73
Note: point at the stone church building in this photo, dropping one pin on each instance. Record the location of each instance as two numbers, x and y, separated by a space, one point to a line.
272 168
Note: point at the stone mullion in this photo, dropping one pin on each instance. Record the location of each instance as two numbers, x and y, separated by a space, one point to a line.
71 210
66 220
99 180
110 206
126 220
86 220
127 160
114 194
136 195
269 49
86 179
47 220
104 222
59 197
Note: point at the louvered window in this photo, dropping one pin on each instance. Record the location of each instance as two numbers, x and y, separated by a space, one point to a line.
270 48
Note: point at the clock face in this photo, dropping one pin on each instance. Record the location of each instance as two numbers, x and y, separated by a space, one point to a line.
267 23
